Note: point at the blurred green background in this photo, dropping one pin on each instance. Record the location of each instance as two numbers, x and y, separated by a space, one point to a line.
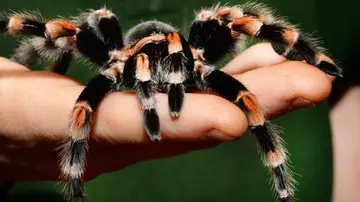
231 172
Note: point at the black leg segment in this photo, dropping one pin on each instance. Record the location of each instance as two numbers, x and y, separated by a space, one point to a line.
73 154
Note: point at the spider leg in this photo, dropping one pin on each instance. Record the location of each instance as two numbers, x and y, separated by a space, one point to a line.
25 53
73 153
287 41
31 49
63 63
85 43
55 39
110 30
176 67
61 36
285 38
269 142
145 88
171 59
105 26
256 21
98 32
26 23
104 23
32 24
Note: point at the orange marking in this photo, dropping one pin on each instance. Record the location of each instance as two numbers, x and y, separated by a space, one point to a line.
229 14
174 43
142 62
65 24
273 156
60 28
243 21
253 113
248 25
323 57
156 38
124 54
234 34
224 14
15 25
290 36
79 115
143 72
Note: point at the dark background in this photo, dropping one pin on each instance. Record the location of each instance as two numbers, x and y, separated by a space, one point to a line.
232 171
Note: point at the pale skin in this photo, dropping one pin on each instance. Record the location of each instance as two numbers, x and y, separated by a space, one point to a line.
345 119
35 106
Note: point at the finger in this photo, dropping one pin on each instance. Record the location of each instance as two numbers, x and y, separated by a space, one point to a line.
203 118
282 88
8 65
49 98
37 105
119 118
287 86
258 55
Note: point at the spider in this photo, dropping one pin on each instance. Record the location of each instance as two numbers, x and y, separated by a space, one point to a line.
154 57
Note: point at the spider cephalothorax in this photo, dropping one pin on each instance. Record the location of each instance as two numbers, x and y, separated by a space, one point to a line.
154 57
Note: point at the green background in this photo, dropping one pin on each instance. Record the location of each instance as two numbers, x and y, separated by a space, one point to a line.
232 171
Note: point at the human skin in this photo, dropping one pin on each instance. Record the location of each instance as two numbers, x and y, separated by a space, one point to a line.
345 119
35 108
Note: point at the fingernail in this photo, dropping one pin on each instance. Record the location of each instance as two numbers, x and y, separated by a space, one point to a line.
300 102
219 135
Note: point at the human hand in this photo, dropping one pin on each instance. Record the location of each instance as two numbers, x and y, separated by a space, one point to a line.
35 107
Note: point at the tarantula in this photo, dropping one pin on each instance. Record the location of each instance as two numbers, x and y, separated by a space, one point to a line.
155 57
